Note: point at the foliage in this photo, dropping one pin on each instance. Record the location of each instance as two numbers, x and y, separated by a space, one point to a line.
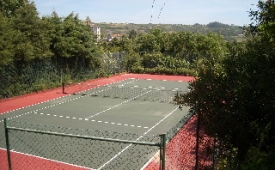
8 8
70 38
31 43
228 32
32 39
6 45
236 98
234 87
167 53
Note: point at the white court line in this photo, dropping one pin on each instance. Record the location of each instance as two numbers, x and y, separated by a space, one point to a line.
46 159
54 99
114 157
98 121
157 155
126 101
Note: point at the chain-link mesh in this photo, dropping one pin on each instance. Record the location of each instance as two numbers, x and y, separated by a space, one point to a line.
40 74
87 87
79 153
30 141
36 75
180 152
181 148
175 129
3 159
134 93
113 62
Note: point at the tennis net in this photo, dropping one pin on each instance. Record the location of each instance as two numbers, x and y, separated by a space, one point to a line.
134 93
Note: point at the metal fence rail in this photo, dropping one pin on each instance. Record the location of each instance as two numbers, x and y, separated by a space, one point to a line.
76 148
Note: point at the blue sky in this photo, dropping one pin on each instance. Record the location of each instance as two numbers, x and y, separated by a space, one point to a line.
140 11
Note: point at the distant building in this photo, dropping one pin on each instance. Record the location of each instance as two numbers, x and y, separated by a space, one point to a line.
112 36
95 29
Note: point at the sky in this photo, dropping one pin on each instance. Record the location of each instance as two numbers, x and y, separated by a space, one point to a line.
186 12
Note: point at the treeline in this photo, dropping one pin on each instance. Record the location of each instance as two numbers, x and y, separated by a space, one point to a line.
65 49
158 52
35 51
228 32
26 36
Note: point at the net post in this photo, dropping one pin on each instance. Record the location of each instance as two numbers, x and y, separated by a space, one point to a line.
162 151
63 87
7 143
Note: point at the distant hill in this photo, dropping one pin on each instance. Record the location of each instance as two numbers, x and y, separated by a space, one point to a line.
229 32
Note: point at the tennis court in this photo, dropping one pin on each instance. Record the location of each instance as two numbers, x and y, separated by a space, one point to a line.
129 109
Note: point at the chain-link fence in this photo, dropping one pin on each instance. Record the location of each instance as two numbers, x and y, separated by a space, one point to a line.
175 148
34 146
114 62
35 75
181 149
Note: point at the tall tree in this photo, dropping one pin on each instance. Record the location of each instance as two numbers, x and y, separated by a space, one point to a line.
236 97
32 40
7 36
70 38
8 7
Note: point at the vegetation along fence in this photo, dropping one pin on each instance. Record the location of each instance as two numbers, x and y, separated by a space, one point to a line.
35 75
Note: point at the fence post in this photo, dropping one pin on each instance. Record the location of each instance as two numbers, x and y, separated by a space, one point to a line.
7 143
197 135
162 151
63 87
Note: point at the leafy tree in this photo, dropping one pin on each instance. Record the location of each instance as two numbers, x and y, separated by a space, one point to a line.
157 49
132 34
8 7
151 42
264 19
6 44
71 38
72 42
25 35
32 39
236 98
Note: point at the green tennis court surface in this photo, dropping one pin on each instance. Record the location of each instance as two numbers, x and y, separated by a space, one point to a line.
132 109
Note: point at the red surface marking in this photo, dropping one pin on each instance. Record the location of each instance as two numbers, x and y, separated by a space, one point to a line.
161 77
22 161
180 151
34 98
3 160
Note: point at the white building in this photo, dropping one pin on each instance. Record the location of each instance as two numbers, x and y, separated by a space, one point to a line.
95 29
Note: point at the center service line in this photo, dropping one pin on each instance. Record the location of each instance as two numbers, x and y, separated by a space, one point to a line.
137 139
126 101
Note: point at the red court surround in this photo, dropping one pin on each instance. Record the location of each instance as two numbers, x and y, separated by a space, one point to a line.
11 104
180 150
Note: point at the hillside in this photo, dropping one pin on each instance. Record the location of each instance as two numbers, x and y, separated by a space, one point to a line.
229 32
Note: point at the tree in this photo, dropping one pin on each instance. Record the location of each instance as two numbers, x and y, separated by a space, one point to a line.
72 42
8 7
264 19
32 39
25 34
70 37
132 34
236 97
6 44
